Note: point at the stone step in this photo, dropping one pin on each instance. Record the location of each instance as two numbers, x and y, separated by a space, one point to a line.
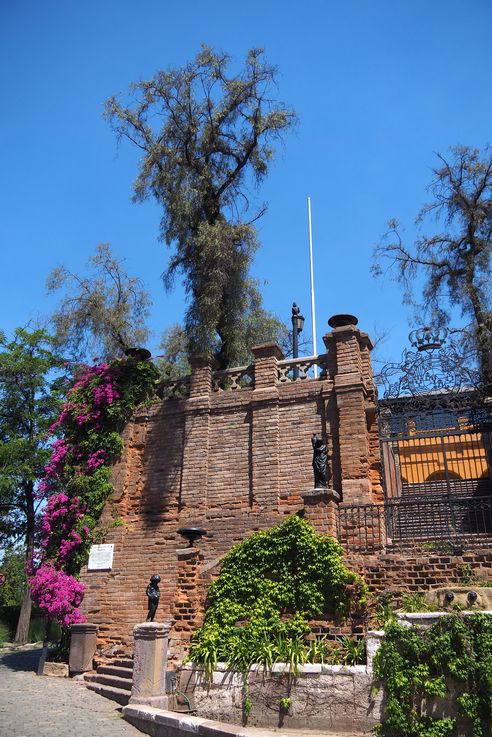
110 680
123 662
116 670
120 695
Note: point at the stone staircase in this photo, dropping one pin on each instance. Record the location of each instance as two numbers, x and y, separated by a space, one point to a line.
112 680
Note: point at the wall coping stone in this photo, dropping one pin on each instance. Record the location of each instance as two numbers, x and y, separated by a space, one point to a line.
426 619
306 668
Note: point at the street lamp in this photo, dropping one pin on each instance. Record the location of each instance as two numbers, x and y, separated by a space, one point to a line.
297 326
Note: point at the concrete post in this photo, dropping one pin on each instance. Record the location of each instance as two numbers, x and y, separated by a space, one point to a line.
150 664
83 640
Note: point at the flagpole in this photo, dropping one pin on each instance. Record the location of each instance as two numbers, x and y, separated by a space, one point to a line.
313 315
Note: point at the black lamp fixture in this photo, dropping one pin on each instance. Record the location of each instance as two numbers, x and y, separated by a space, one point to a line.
192 534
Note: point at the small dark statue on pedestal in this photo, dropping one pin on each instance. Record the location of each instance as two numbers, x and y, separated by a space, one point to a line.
320 459
153 595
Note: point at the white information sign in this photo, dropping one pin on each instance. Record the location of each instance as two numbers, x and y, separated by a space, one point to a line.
100 558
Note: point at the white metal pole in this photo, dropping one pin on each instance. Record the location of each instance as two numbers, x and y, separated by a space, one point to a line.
313 314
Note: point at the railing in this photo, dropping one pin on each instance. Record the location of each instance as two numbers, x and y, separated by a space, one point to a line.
367 527
361 527
177 388
240 377
298 369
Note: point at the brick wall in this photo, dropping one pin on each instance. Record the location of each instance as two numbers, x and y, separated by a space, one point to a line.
231 461
420 569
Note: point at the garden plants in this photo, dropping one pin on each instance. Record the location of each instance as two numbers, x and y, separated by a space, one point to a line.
417 666
269 587
77 478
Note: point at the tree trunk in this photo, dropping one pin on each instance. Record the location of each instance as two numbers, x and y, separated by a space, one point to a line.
24 620
482 326
22 632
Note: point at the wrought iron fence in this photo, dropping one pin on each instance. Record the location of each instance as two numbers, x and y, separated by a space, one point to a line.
366 527
361 527
453 462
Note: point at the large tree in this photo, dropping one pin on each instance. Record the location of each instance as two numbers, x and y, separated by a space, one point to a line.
455 261
206 136
102 313
28 406
258 326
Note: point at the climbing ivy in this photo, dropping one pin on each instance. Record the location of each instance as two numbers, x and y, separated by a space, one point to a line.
416 665
269 586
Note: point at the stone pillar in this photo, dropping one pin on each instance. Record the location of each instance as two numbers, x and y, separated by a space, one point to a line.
83 640
354 393
150 664
374 639
265 438
321 509
196 438
188 604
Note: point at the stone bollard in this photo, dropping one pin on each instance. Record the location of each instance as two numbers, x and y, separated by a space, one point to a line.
374 639
150 664
83 638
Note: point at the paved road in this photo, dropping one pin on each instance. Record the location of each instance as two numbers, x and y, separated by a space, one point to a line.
38 706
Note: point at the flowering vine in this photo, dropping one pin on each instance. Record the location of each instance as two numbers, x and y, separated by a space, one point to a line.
76 480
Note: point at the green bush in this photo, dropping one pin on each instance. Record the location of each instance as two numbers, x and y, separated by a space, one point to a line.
269 586
415 666
4 633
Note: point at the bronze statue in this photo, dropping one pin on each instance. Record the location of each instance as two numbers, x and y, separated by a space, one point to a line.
153 595
320 460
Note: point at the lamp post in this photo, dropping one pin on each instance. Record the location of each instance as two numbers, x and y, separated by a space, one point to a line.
297 326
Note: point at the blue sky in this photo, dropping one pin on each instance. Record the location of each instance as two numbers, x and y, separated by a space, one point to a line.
378 87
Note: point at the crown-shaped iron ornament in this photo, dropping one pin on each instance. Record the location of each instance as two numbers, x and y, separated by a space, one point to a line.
428 338
431 368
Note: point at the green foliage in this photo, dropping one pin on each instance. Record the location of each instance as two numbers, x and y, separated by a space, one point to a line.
256 326
285 704
13 566
416 602
205 136
103 313
383 612
440 546
413 666
28 405
455 259
29 402
134 381
352 652
269 586
466 575
4 634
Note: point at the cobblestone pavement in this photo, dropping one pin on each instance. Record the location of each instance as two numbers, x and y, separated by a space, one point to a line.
38 706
